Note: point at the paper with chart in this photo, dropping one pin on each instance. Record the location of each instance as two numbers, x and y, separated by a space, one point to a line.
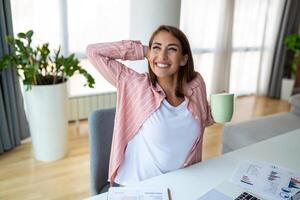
268 180
137 193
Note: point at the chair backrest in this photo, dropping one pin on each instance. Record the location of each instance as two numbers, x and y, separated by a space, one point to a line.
101 123
295 104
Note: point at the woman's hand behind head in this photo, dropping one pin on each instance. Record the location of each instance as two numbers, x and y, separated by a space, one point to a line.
146 51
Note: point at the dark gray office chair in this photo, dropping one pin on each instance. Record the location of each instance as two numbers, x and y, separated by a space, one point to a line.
101 123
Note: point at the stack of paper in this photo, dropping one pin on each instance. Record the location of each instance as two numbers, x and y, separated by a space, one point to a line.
138 193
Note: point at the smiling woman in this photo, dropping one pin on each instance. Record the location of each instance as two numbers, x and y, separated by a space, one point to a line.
170 51
154 110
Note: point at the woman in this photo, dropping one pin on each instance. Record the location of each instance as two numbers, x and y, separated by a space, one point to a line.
160 115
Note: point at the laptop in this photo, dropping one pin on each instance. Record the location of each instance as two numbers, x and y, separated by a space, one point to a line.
258 180
231 191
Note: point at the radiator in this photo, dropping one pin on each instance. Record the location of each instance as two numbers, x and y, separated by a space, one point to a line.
81 106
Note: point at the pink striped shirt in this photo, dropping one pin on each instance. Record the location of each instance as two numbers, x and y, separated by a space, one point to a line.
137 98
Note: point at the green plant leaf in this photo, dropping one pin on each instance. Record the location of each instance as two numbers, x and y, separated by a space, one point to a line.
22 35
9 39
20 45
29 34
4 62
36 65
292 42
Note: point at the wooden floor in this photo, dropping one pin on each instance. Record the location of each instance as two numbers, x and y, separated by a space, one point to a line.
22 177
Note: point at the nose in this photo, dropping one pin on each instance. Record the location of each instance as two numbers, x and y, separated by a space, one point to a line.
163 55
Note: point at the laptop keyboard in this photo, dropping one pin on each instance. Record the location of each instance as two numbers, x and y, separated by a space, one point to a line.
246 196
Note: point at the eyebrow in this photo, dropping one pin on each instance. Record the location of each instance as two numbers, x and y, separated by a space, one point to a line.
157 43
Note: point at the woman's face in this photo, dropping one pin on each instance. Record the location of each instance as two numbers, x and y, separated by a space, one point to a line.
165 55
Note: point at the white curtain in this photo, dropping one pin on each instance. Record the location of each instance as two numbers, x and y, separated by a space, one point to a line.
233 42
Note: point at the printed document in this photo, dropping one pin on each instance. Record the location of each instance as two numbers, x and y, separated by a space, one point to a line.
137 193
268 180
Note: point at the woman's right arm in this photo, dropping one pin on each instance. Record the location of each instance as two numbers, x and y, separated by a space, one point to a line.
103 56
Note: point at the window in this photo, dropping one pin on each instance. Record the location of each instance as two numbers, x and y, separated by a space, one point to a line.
237 33
200 21
74 24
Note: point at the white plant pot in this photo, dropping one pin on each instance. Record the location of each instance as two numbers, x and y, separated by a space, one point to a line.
47 115
287 86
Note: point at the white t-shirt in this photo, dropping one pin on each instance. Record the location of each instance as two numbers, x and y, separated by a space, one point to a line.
161 145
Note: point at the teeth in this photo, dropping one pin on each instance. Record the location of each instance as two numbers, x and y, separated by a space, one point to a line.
162 65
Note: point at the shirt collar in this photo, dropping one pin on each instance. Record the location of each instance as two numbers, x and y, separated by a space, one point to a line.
187 88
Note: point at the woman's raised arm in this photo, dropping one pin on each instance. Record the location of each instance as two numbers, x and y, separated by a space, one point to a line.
104 57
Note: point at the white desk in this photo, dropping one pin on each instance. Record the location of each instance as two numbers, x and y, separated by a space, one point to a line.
194 181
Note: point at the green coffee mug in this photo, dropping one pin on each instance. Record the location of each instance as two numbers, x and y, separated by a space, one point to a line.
222 106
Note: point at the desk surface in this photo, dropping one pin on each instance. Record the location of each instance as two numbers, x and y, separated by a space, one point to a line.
194 181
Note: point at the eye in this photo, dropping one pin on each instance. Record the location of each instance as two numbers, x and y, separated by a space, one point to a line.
155 47
172 49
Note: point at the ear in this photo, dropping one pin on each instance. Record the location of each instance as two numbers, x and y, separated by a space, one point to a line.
184 60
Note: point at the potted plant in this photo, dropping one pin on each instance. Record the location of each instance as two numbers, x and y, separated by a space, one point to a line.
45 75
292 42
